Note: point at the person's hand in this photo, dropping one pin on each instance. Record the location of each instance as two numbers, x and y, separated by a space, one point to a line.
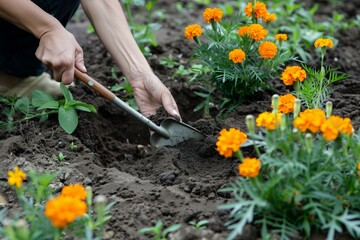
150 94
59 50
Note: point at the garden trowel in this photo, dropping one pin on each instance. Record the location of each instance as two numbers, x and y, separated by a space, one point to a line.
169 133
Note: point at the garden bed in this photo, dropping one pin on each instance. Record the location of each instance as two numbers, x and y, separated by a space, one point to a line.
113 155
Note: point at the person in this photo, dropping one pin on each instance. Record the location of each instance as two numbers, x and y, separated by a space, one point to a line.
33 35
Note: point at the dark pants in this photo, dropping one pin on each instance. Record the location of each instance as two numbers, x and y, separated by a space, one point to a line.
17 47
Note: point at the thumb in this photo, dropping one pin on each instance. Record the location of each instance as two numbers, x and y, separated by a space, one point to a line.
170 106
79 61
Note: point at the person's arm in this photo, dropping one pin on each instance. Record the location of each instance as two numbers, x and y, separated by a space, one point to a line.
113 30
57 49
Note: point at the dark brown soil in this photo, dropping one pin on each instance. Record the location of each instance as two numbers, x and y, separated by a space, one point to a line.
175 184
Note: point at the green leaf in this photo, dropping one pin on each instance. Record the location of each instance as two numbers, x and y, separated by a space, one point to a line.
171 229
49 105
67 94
82 106
23 105
68 119
40 97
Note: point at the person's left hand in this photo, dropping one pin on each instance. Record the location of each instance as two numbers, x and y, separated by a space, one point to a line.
150 94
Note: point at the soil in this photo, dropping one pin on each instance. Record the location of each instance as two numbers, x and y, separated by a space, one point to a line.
114 156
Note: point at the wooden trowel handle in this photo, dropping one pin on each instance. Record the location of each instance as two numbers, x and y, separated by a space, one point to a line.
103 91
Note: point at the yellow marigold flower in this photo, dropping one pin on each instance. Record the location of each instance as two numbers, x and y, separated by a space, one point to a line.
230 141
237 55
259 11
75 191
269 17
257 32
334 125
212 14
286 103
323 42
292 74
63 210
281 36
192 31
310 119
250 167
243 31
16 177
268 120
267 50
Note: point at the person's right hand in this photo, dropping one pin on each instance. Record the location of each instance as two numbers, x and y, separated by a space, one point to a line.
59 50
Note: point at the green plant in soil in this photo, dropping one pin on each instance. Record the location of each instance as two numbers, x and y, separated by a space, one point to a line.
125 88
41 105
200 224
144 34
73 214
73 146
157 231
59 158
240 52
305 176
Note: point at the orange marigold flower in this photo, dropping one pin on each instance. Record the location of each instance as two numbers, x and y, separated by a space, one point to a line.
268 120
267 50
292 74
257 32
269 17
237 55
212 14
250 167
286 103
310 119
16 177
75 191
281 36
243 31
359 166
63 210
192 31
334 125
259 11
230 141
323 42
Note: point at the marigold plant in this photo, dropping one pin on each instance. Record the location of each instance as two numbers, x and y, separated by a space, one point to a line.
312 86
267 50
250 167
304 179
230 141
261 59
41 215
16 177
292 74
286 103
74 191
237 55
63 210
268 120
193 31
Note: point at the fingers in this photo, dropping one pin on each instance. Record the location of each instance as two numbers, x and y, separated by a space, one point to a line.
60 51
171 106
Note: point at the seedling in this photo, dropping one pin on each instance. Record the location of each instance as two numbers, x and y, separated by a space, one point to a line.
199 225
158 232
59 158
73 146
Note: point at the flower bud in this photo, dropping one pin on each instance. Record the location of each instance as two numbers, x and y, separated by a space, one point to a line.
250 123
328 109
283 122
309 142
89 196
297 107
275 103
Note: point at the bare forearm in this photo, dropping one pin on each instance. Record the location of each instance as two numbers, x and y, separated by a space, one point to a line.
28 16
111 25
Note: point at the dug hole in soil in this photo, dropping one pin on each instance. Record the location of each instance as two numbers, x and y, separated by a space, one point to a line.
173 184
